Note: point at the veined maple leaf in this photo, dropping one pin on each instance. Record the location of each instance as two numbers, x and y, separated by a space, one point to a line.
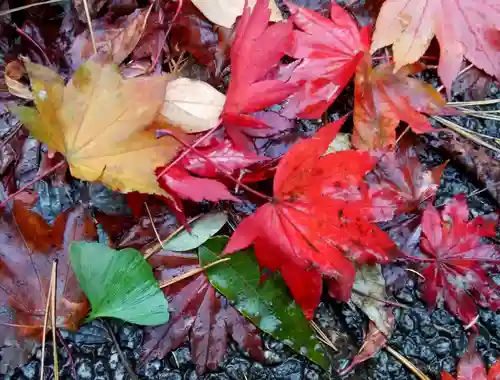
471 366
315 225
257 49
329 51
383 98
464 28
99 123
399 183
454 259
28 246
199 313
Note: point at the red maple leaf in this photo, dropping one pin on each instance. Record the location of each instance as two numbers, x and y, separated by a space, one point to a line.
471 366
399 183
199 313
257 49
28 247
383 98
464 28
314 226
329 51
454 259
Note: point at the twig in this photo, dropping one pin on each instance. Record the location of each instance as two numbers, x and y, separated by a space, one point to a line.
44 330
408 364
53 286
29 184
463 132
193 272
89 22
70 354
124 360
150 251
217 166
322 336
390 303
9 11
34 43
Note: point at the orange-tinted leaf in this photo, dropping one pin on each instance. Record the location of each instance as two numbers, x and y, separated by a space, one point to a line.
494 372
384 98
329 50
199 313
28 246
316 219
464 28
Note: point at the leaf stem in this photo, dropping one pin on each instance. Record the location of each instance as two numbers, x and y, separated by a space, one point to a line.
34 43
29 184
217 166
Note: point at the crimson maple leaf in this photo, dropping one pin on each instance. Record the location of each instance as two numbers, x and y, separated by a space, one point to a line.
28 246
464 28
383 98
199 313
257 49
314 226
454 259
329 51
399 183
471 366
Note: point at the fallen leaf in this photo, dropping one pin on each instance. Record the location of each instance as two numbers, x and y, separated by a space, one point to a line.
118 284
249 89
116 40
453 259
14 72
225 154
383 98
315 223
464 28
178 181
374 341
98 123
399 183
225 12
192 105
370 282
201 230
265 303
94 7
29 245
199 314
329 51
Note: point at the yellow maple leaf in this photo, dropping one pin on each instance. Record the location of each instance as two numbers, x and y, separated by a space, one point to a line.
99 122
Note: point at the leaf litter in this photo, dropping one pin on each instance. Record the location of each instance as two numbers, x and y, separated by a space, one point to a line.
185 144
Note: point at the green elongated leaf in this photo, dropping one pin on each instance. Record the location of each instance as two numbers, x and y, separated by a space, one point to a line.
118 284
202 230
267 305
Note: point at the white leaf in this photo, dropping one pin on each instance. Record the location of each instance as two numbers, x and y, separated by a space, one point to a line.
192 105
225 12
369 281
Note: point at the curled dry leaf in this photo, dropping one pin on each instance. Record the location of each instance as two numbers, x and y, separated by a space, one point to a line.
199 313
29 245
117 40
225 12
14 72
192 105
464 28
99 123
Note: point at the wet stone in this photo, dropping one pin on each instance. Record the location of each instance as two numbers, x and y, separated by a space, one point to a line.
84 369
259 372
130 336
180 358
31 370
238 368
448 364
152 368
190 375
168 375
442 346
275 352
290 370
406 322
120 374
114 361
311 374
216 376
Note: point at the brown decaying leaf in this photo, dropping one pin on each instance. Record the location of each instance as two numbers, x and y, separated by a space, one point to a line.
99 123
93 5
199 313
28 246
116 40
14 72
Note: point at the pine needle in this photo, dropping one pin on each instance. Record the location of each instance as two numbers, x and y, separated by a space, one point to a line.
408 364
322 336
44 331
53 286
89 22
9 11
